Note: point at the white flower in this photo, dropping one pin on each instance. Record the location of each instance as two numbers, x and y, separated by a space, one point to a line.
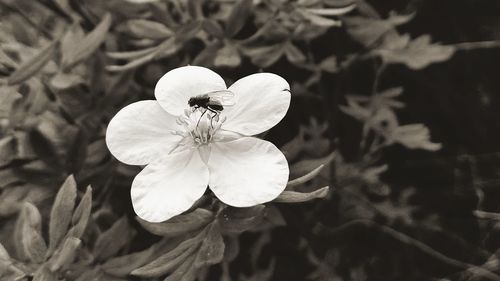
186 150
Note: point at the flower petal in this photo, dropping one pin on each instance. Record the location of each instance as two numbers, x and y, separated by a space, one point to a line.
247 171
141 132
261 101
169 187
174 89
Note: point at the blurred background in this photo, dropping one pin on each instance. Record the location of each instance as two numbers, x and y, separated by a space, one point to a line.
395 101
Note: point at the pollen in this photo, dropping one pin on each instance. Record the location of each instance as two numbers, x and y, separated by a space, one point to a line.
200 126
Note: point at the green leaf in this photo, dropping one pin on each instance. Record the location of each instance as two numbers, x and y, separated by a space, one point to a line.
33 65
212 248
31 237
169 261
238 16
88 44
148 29
180 224
65 256
81 215
112 240
62 210
297 197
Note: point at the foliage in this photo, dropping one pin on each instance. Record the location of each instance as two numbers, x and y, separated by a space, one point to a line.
66 67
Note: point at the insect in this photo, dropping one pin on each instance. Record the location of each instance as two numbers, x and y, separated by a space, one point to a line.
212 101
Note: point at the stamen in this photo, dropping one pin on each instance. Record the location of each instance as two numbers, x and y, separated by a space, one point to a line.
199 125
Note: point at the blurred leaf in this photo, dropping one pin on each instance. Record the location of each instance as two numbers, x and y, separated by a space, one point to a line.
180 224
368 31
31 237
297 197
81 215
33 65
7 150
77 152
8 96
306 177
418 54
212 248
62 210
44 147
305 166
330 64
264 56
318 20
112 240
227 56
66 254
148 29
62 81
213 28
88 44
294 55
292 148
44 274
332 11
239 14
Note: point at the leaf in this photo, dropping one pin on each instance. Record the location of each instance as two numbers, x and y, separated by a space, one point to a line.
88 45
212 248
180 224
297 197
148 29
213 28
237 220
169 261
332 11
112 240
185 272
418 54
33 65
62 210
264 56
81 215
123 265
44 274
305 166
368 31
318 20
65 256
8 96
31 236
228 56
306 177
294 55
231 248
238 16
45 147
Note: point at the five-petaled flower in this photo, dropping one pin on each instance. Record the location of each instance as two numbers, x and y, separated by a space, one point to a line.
186 149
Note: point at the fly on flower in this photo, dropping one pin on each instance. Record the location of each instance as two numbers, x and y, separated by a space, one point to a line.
213 101
185 149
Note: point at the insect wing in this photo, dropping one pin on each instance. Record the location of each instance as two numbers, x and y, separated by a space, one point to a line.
224 97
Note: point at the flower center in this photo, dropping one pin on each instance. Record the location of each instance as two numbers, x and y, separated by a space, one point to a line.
200 125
